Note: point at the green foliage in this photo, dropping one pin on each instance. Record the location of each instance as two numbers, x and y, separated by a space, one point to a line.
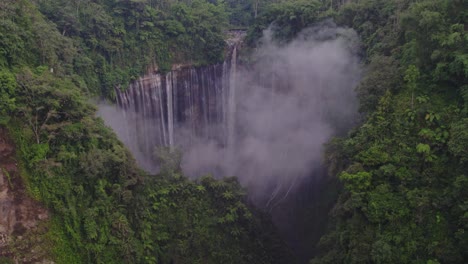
184 218
403 171
241 12
169 160
403 168
359 181
7 95
5 260
287 17
107 211
104 45
411 78
375 21
458 143
103 208
198 30
382 75
423 148
399 166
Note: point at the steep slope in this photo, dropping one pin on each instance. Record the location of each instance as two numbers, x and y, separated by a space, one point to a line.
404 168
22 219
102 207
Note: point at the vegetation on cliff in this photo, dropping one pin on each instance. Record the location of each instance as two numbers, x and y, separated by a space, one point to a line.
104 44
53 54
403 170
405 167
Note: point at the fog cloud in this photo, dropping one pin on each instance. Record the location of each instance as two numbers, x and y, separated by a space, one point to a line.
290 101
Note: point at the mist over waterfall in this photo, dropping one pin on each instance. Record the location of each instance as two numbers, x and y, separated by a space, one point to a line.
265 122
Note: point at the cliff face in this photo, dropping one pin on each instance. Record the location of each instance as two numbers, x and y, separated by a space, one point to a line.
20 215
181 108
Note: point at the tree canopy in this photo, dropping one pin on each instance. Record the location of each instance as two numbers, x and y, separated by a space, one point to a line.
401 173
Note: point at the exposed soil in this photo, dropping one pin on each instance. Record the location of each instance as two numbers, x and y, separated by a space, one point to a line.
20 215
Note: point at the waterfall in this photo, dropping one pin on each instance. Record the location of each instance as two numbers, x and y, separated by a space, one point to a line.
170 109
181 107
265 122
232 98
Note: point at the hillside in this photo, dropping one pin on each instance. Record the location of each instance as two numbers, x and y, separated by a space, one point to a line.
103 209
404 168
394 185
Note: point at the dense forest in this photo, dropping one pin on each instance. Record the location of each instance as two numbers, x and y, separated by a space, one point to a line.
54 56
402 172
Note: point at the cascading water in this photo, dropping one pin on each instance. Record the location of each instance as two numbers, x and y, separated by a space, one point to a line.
231 103
265 122
182 107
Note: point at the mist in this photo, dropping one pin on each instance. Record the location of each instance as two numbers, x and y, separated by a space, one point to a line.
289 102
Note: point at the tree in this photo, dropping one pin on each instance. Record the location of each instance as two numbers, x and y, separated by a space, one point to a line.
411 78
382 75
48 103
7 95
169 160
458 143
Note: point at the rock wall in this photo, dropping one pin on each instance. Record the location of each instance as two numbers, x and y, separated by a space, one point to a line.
20 215
179 109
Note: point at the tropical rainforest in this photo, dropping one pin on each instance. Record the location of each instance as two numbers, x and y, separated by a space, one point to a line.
399 177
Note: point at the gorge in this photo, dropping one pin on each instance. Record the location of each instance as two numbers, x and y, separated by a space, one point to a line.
265 121
233 131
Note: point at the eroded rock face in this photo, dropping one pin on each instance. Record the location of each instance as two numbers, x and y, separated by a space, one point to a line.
20 215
